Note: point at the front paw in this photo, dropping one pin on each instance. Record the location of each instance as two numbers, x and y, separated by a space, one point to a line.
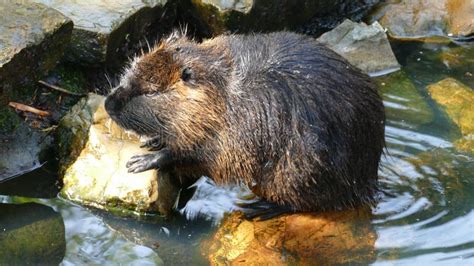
145 162
141 163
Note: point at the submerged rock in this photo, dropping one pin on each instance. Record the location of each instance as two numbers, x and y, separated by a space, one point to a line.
364 46
105 31
307 239
31 234
428 19
32 39
404 104
218 16
458 101
93 152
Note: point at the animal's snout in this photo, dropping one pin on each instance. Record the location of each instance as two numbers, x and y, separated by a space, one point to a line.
114 103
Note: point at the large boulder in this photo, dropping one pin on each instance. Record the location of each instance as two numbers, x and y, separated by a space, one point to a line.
31 234
93 152
33 38
458 101
364 46
105 31
428 19
304 239
215 16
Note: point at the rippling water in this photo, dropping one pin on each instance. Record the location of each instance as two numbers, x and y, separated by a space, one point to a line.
425 215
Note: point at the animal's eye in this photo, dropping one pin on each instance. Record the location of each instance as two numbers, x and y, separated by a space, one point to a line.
186 74
177 49
152 94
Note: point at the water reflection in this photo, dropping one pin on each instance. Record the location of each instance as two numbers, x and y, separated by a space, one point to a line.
88 241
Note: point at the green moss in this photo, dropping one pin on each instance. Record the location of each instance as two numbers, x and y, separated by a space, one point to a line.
70 78
32 234
403 102
9 120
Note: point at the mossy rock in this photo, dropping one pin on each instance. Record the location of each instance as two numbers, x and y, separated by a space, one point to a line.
31 234
33 38
404 104
457 100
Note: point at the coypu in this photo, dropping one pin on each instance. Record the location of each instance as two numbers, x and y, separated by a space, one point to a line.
278 112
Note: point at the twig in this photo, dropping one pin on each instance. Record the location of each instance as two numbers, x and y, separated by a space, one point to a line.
26 108
54 87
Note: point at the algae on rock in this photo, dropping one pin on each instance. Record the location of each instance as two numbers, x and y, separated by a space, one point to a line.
404 104
31 234
458 101
33 38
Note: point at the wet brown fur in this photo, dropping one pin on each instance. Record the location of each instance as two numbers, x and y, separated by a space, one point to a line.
228 122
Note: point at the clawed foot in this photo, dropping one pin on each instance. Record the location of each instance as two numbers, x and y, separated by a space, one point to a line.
154 144
264 210
145 162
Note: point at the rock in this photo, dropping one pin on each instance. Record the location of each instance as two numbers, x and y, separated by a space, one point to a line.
426 19
218 16
458 101
93 152
26 150
307 239
449 176
457 57
32 39
31 234
461 17
404 104
364 46
106 31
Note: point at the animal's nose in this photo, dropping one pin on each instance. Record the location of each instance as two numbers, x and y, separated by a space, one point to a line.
113 105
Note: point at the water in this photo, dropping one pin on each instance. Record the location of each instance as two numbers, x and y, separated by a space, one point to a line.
425 215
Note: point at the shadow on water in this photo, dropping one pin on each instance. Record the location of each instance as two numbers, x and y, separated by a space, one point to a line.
426 213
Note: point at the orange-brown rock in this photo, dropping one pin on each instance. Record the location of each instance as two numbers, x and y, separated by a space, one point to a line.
303 239
461 16
427 20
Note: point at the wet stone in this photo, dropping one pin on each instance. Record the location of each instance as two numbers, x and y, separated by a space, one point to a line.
458 102
218 16
404 104
365 46
304 239
106 31
428 19
32 40
93 152
31 234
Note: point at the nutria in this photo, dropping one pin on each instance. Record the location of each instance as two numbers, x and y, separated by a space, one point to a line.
278 112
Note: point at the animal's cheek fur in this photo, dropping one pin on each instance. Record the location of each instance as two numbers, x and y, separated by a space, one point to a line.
198 115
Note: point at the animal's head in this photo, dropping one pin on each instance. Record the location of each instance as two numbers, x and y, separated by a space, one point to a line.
175 91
